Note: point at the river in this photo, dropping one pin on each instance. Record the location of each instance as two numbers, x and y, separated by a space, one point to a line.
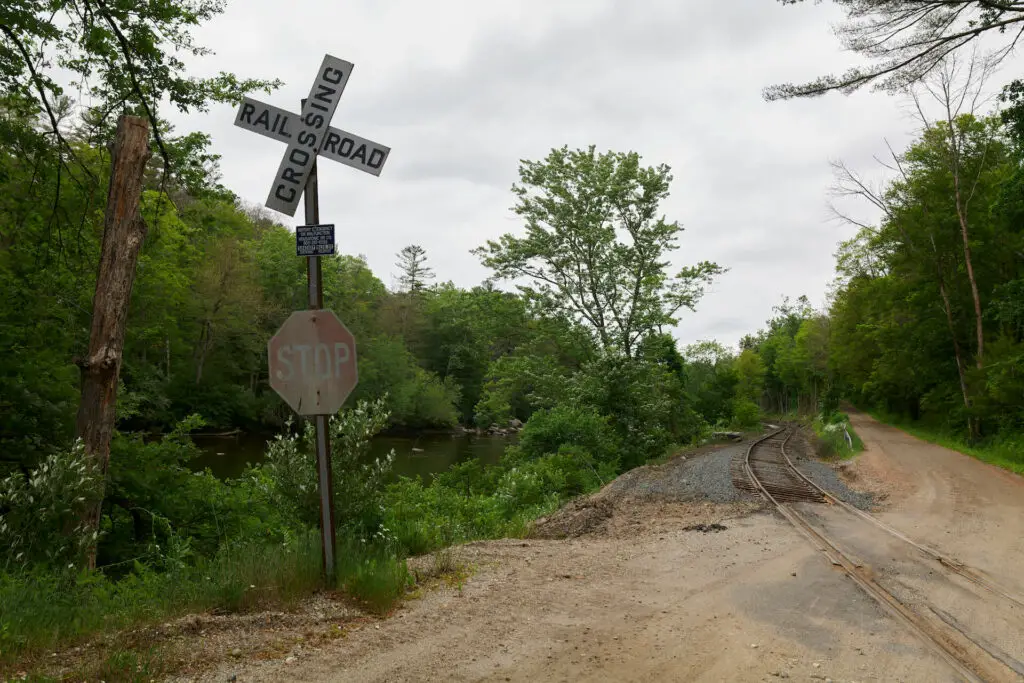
227 456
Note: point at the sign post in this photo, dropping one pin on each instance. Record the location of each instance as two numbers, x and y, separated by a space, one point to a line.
312 358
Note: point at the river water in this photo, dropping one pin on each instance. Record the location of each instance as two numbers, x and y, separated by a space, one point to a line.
228 456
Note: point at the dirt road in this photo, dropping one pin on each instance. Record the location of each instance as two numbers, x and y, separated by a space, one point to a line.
637 597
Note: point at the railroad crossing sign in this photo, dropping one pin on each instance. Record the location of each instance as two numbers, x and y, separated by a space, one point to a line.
312 358
313 362
309 135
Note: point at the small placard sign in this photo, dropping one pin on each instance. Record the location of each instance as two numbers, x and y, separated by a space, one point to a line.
314 240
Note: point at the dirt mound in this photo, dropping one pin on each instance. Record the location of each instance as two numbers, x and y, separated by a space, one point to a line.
579 517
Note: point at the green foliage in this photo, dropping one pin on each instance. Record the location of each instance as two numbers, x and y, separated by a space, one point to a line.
746 414
291 466
41 513
46 608
579 208
157 506
582 427
711 380
836 437
644 402
416 397
125 56
375 573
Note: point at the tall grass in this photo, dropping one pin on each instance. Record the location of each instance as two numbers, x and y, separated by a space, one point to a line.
41 609
374 574
831 431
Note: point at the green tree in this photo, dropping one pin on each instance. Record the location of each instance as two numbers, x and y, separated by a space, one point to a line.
595 247
127 55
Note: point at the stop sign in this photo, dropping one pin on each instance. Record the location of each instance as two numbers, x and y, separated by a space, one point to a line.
312 361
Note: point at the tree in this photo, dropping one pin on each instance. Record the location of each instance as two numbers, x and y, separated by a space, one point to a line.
958 102
595 247
906 40
124 53
411 261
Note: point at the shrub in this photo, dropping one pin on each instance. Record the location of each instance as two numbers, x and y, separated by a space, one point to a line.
643 402
745 414
154 499
548 430
832 430
358 484
41 514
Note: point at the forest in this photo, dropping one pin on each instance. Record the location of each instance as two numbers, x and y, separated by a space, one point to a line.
925 320
571 335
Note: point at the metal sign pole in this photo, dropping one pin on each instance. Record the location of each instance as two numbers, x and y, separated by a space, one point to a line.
311 200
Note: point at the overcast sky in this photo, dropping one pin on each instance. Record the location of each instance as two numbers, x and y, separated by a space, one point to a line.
461 90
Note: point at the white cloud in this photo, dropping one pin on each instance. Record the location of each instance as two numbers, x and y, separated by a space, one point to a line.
462 90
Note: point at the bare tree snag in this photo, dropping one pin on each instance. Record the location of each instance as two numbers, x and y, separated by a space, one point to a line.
123 233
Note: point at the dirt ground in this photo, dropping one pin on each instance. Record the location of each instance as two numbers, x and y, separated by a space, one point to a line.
649 590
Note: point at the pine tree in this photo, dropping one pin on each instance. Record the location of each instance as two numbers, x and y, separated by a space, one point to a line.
411 261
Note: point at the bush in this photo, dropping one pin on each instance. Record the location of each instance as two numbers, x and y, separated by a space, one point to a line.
42 512
548 430
643 402
291 467
745 414
832 430
154 498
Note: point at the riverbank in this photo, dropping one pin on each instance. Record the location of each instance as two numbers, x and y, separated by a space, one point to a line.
256 549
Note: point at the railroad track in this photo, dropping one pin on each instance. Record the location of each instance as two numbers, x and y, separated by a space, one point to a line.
769 471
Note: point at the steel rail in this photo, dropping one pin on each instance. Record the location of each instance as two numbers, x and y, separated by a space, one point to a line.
884 598
946 561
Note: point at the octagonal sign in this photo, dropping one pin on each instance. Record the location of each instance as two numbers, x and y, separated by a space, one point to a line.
312 361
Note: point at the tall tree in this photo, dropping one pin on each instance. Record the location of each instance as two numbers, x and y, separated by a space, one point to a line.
414 271
906 40
595 247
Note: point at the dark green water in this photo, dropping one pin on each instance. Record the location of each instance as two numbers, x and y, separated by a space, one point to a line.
228 456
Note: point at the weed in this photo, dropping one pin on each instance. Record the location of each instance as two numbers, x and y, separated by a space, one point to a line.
376 575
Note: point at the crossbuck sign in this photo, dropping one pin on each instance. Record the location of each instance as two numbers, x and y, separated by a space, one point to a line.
309 135
312 358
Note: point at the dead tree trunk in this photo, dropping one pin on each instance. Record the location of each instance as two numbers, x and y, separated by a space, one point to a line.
123 233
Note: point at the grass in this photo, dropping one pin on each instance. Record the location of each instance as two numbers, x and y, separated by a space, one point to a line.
1005 452
831 432
42 611
377 576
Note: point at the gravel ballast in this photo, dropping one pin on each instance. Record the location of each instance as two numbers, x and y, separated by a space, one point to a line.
707 475
701 476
